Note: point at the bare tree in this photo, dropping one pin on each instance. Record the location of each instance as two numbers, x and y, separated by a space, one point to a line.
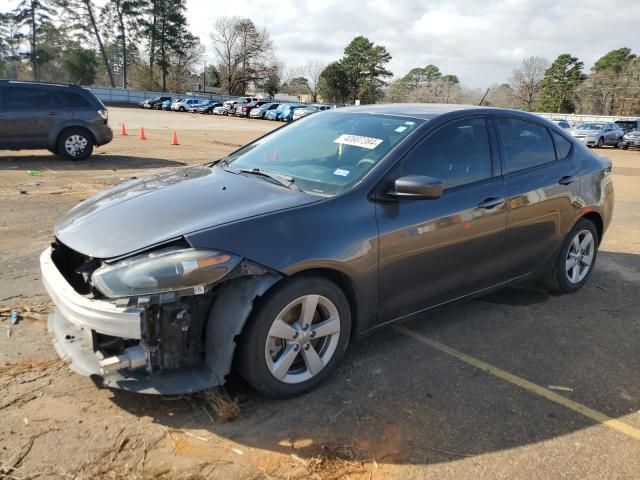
526 80
243 52
312 71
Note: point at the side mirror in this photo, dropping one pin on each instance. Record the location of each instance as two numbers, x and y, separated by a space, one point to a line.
417 187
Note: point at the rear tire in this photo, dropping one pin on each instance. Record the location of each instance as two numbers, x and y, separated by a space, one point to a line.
618 143
576 260
600 142
75 144
283 352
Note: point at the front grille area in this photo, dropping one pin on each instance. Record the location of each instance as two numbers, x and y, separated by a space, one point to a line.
72 264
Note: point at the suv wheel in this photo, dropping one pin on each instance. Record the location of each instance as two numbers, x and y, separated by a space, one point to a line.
576 259
75 144
296 336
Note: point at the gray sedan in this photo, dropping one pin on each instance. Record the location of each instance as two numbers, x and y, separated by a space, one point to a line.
598 134
276 258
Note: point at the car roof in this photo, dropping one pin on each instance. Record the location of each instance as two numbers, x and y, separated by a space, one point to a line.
417 110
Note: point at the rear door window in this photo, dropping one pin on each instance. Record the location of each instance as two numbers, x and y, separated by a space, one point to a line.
27 98
458 154
525 144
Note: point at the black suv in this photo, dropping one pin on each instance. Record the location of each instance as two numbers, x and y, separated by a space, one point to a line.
66 119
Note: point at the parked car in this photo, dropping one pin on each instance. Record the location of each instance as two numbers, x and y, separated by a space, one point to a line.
261 111
598 134
209 108
154 288
232 105
183 105
65 119
166 105
276 114
628 125
221 110
245 109
287 113
631 139
301 112
152 102
201 106
562 124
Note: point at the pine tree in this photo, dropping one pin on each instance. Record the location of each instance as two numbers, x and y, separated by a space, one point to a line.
559 84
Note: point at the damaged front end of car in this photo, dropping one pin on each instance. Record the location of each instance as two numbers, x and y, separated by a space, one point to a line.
162 321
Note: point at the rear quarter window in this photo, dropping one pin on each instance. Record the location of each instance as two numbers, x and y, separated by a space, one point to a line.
563 146
69 100
27 98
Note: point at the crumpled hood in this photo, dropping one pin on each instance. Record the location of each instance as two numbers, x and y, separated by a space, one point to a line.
141 213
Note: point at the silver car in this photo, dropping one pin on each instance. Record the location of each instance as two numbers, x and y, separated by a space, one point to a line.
598 134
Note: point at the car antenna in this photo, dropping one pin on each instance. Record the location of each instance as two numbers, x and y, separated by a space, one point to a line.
484 96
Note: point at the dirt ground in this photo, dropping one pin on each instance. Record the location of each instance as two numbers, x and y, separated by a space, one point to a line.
519 384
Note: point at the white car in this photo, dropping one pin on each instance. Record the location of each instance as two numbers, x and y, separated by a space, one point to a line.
219 111
185 104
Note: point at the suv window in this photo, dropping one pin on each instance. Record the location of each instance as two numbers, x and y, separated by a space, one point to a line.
458 153
69 100
563 146
525 144
26 98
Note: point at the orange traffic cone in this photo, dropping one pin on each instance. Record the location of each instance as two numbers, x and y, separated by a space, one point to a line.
123 130
142 136
175 139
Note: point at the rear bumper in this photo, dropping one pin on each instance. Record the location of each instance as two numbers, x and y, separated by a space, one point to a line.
104 135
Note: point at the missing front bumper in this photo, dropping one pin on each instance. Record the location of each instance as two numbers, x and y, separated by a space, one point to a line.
75 345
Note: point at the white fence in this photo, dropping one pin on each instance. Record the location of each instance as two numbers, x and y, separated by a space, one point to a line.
126 95
575 118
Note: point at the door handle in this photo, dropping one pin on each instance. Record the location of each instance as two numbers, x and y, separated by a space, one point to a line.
53 114
567 180
491 203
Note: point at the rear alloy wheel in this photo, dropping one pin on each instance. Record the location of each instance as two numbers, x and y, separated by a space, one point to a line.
75 144
296 337
576 259
618 143
600 142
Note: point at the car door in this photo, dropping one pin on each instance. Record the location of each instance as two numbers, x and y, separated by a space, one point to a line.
610 134
542 188
30 114
432 251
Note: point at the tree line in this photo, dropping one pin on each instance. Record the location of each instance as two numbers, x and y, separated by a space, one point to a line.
146 44
142 44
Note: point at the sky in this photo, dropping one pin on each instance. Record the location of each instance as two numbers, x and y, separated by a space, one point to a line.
480 41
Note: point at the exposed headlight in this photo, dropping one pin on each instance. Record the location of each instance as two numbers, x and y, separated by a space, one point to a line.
625 136
167 271
104 113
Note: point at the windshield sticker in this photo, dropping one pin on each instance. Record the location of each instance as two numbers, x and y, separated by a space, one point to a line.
401 129
358 141
341 172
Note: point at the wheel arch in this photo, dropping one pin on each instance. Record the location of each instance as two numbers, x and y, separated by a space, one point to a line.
74 127
596 219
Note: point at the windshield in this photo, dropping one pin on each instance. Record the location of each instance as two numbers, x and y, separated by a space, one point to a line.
327 153
591 126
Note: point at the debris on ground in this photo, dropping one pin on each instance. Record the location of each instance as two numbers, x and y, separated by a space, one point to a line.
37 312
34 173
220 405
561 388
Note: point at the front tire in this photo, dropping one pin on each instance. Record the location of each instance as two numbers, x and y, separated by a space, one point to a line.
576 259
296 336
75 144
